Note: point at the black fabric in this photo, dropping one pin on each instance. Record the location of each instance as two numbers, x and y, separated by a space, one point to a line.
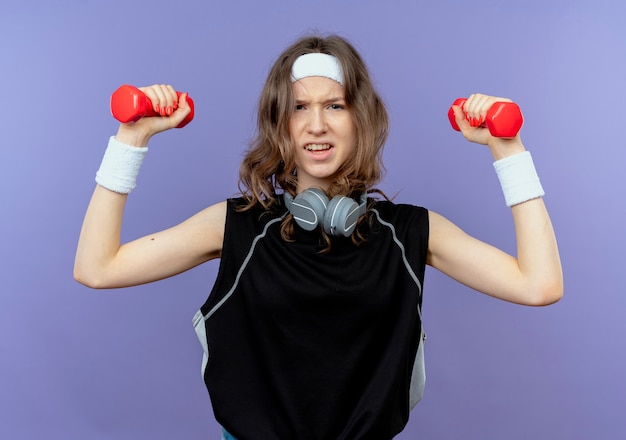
312 345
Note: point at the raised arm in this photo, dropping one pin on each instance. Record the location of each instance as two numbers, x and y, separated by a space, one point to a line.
101 260
534 276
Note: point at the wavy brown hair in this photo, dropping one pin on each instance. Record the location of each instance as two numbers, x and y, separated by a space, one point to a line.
269 162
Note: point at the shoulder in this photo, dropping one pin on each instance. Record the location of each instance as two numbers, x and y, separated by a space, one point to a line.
404 225
240 206
210 220
240 216
447 241
399 212
409 223
441 225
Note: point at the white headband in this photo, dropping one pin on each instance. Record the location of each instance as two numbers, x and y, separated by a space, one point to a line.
317 64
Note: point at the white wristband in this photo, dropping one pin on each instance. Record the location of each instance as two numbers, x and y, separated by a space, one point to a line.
518 178
120 166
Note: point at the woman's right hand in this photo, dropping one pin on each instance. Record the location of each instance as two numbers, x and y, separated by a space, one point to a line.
166 102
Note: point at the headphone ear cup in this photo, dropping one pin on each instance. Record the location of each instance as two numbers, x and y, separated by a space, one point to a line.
308 208
341 216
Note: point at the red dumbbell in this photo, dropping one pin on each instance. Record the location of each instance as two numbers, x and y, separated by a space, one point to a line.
503 119
129 104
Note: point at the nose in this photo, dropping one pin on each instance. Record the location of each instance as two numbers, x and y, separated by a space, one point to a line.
317 123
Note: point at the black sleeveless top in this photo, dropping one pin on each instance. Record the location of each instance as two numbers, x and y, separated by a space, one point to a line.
301 344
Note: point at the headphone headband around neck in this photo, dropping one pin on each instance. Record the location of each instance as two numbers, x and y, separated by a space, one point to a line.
338 216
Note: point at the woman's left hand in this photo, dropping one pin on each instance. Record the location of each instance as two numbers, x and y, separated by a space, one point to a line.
476 107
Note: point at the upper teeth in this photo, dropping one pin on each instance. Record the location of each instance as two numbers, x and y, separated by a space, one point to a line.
317 147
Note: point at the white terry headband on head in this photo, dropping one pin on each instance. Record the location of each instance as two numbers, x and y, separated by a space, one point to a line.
317 64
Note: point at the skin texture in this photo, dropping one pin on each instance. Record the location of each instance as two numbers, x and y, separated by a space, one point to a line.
323 122
532 277
535 276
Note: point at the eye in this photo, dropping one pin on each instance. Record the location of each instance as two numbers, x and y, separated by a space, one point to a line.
300 107
337 107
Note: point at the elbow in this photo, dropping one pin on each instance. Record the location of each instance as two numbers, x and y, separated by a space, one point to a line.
547 294
86 281
88 278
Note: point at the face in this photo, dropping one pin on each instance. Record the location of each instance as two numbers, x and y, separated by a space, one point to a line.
322 131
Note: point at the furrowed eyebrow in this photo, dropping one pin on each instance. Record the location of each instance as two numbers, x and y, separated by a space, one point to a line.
333 100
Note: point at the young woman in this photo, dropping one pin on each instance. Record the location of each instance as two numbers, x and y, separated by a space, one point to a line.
313 327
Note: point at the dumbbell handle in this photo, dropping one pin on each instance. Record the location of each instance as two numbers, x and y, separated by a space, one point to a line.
503 119
129 104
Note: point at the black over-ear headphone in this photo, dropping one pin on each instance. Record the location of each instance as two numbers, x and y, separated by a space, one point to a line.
338 217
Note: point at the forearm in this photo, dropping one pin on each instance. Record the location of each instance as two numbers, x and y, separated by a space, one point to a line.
99 239
537 251
534 276
101 260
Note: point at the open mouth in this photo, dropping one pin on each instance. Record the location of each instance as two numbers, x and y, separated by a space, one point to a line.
318 147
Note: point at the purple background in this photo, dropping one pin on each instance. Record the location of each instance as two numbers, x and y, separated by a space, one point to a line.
82 364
